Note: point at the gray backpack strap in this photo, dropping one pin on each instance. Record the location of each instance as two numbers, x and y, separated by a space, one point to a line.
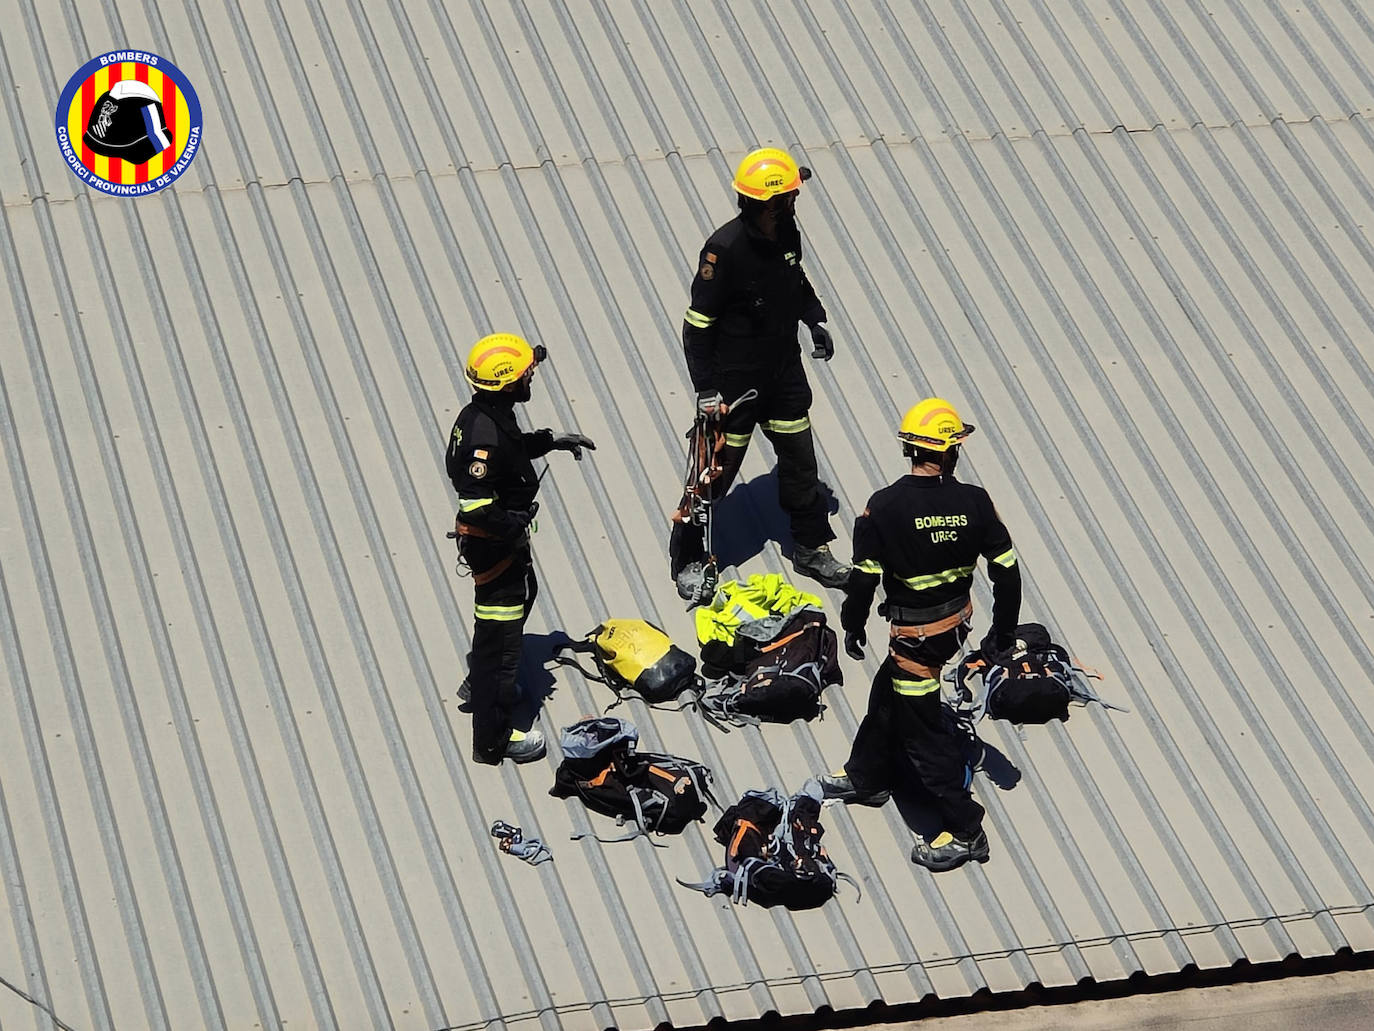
702 784
858 892
740 896
636 833
718 701
1081 692
782 833
714 885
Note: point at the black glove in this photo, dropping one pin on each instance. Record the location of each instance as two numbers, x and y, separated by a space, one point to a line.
573 442
709 402
824 346
854 641
997 647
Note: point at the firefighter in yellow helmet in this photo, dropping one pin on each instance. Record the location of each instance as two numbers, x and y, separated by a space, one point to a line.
740 334
489 461
921 538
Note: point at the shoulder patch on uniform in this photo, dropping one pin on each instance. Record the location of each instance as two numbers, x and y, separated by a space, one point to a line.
708 271
711 256
478 469
480 453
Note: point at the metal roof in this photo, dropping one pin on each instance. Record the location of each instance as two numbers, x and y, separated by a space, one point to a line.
1130 241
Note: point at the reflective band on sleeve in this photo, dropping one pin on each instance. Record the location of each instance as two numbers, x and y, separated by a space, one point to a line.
501 613
473 504
788 425
868 565
697 319
914 688
1007 558
737 439
949 576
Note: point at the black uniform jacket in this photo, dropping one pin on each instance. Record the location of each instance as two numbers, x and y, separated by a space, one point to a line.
747 298
489 462
922 537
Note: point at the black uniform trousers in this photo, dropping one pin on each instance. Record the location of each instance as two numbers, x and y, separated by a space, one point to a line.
905 732
503 594
782 410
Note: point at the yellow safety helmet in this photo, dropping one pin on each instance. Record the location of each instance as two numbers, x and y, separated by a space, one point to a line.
499 359
767 172
933 425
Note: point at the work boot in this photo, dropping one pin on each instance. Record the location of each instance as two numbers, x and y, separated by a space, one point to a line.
525 746
946 851
689 580
820 565
840 788
465 691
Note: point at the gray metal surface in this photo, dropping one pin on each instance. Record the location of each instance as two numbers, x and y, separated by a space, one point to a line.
1130 241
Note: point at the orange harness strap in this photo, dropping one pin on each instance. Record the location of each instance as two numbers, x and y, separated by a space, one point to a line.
899 633
909 666
925 630
488 575
464 530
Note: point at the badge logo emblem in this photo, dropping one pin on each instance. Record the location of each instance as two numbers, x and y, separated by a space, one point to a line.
128 123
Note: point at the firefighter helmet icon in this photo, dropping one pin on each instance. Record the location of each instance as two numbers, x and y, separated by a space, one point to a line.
128 122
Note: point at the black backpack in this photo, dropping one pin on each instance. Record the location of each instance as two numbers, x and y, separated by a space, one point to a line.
780 680
656 792
1035 683
634 657
773 852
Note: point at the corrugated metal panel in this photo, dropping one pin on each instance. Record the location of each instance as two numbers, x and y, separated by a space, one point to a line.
1130 240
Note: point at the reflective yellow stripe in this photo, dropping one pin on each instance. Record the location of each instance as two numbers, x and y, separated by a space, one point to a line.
501 613
914 688
869 566
949 576
788 425
697 319
737 439
473 504
1007 558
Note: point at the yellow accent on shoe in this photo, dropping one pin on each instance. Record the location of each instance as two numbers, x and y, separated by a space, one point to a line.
517 735
942 839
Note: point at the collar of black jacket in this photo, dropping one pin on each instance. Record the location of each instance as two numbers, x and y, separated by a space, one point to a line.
499 404
929 481
789 237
